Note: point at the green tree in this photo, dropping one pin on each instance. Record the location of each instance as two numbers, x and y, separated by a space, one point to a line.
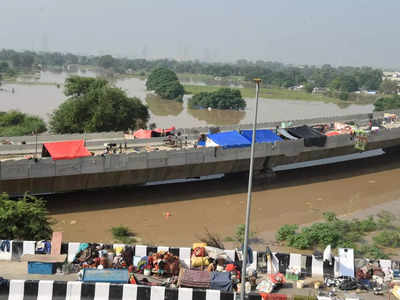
95 106
77 85
224 98
344 83
387 103
309 87
388 87
165 83
106 61
25 219
14 123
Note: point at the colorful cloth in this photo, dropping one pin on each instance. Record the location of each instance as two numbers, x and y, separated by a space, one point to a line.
193 278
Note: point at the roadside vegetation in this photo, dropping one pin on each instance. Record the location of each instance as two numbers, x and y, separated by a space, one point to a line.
342 233
165 84
387 103
223 98
96 106
25 219
15 123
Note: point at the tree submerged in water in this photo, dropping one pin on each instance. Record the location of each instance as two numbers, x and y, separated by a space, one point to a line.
224 98
165 83
96 106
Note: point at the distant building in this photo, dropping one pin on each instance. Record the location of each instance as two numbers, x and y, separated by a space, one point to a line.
319 91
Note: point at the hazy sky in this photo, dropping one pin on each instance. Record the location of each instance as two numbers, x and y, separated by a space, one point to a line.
339 32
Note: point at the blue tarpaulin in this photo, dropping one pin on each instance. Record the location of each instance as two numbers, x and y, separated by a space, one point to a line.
229 139
262 136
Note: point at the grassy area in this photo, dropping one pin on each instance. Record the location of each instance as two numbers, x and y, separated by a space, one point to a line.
270 93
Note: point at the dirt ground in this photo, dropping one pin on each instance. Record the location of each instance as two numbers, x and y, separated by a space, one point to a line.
356 188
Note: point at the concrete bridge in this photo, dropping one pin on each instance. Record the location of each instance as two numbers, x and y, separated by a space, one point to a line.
48 176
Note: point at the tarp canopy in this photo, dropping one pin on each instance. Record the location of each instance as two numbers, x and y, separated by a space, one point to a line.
143 134
65 150
148 134
164 130
228 139
311 136
285 134
262 136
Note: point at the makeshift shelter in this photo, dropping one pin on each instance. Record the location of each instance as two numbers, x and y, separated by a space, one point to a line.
65 150
228 139
287 135
262 136
311 136
142 134
164 131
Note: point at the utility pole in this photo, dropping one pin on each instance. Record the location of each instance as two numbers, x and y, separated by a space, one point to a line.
36 155
248 208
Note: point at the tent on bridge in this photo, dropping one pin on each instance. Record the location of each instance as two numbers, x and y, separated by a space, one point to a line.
65 150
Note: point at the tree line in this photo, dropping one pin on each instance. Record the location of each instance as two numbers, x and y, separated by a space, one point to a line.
347 79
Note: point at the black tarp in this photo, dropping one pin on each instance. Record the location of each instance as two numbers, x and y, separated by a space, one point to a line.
310 135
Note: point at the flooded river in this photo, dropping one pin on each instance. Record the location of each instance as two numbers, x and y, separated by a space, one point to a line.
298 196
42 98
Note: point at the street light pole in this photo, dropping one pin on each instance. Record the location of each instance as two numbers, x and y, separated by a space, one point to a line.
248 208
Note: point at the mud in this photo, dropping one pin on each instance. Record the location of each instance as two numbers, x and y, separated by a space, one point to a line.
298 196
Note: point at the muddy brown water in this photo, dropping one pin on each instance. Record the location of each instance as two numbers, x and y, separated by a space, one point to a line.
294 196
41 99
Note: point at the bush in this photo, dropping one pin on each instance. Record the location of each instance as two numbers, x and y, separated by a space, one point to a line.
24 219
14 123
388 239
224 98
371 252
286 231
299 241
239 234
122 234
334 232
385 220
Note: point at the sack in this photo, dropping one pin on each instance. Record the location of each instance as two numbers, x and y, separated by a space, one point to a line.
200 261
196 245
199 252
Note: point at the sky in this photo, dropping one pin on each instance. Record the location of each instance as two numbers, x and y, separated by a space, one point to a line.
339 32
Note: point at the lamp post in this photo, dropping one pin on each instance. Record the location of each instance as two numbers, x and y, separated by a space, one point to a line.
248 208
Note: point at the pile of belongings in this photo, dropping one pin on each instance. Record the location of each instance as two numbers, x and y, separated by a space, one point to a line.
311 136
210 268
162 263
339 128
207 280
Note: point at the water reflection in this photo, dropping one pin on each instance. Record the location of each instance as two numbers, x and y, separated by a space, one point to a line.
218 116
41 99
162 107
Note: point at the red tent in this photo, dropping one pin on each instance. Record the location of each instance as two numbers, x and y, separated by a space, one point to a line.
142 134
65 150
165 131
